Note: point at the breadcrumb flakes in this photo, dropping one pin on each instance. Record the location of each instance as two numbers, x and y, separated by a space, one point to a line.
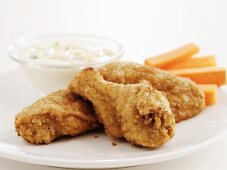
113 144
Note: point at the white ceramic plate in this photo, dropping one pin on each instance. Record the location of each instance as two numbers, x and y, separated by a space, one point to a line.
85 151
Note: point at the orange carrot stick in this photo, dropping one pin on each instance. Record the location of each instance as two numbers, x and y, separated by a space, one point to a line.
210 91
205 75
173 57
206 61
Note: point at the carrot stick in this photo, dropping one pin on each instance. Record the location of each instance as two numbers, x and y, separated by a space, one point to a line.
205 61
205 75
210 91
173 57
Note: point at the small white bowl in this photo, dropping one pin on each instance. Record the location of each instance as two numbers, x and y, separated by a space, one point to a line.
47 77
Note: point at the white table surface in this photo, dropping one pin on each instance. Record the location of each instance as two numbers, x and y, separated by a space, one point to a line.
144 27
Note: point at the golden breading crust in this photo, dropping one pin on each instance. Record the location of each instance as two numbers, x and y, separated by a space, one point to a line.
186 99
58 114
137 112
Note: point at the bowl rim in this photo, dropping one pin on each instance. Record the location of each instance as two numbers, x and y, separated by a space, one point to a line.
14 46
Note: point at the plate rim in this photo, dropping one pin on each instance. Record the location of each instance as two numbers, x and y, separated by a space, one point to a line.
101 164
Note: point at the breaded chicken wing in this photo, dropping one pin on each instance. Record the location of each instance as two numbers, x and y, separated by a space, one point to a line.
58 114
137 112
186 99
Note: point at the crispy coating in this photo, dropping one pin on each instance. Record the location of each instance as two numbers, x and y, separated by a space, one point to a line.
59 114
186 99
137 112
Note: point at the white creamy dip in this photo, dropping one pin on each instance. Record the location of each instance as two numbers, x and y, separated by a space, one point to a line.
66 53
52 61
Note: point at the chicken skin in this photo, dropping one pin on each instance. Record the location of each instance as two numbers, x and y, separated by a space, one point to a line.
137 112
61 113
185 98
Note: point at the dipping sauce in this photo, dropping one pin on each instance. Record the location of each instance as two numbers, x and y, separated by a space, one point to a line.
52 61
66 53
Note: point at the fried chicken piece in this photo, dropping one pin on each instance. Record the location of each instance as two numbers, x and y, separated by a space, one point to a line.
137 112
185 98
59 114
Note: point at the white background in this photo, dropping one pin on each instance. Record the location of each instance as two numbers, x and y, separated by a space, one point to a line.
144 27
